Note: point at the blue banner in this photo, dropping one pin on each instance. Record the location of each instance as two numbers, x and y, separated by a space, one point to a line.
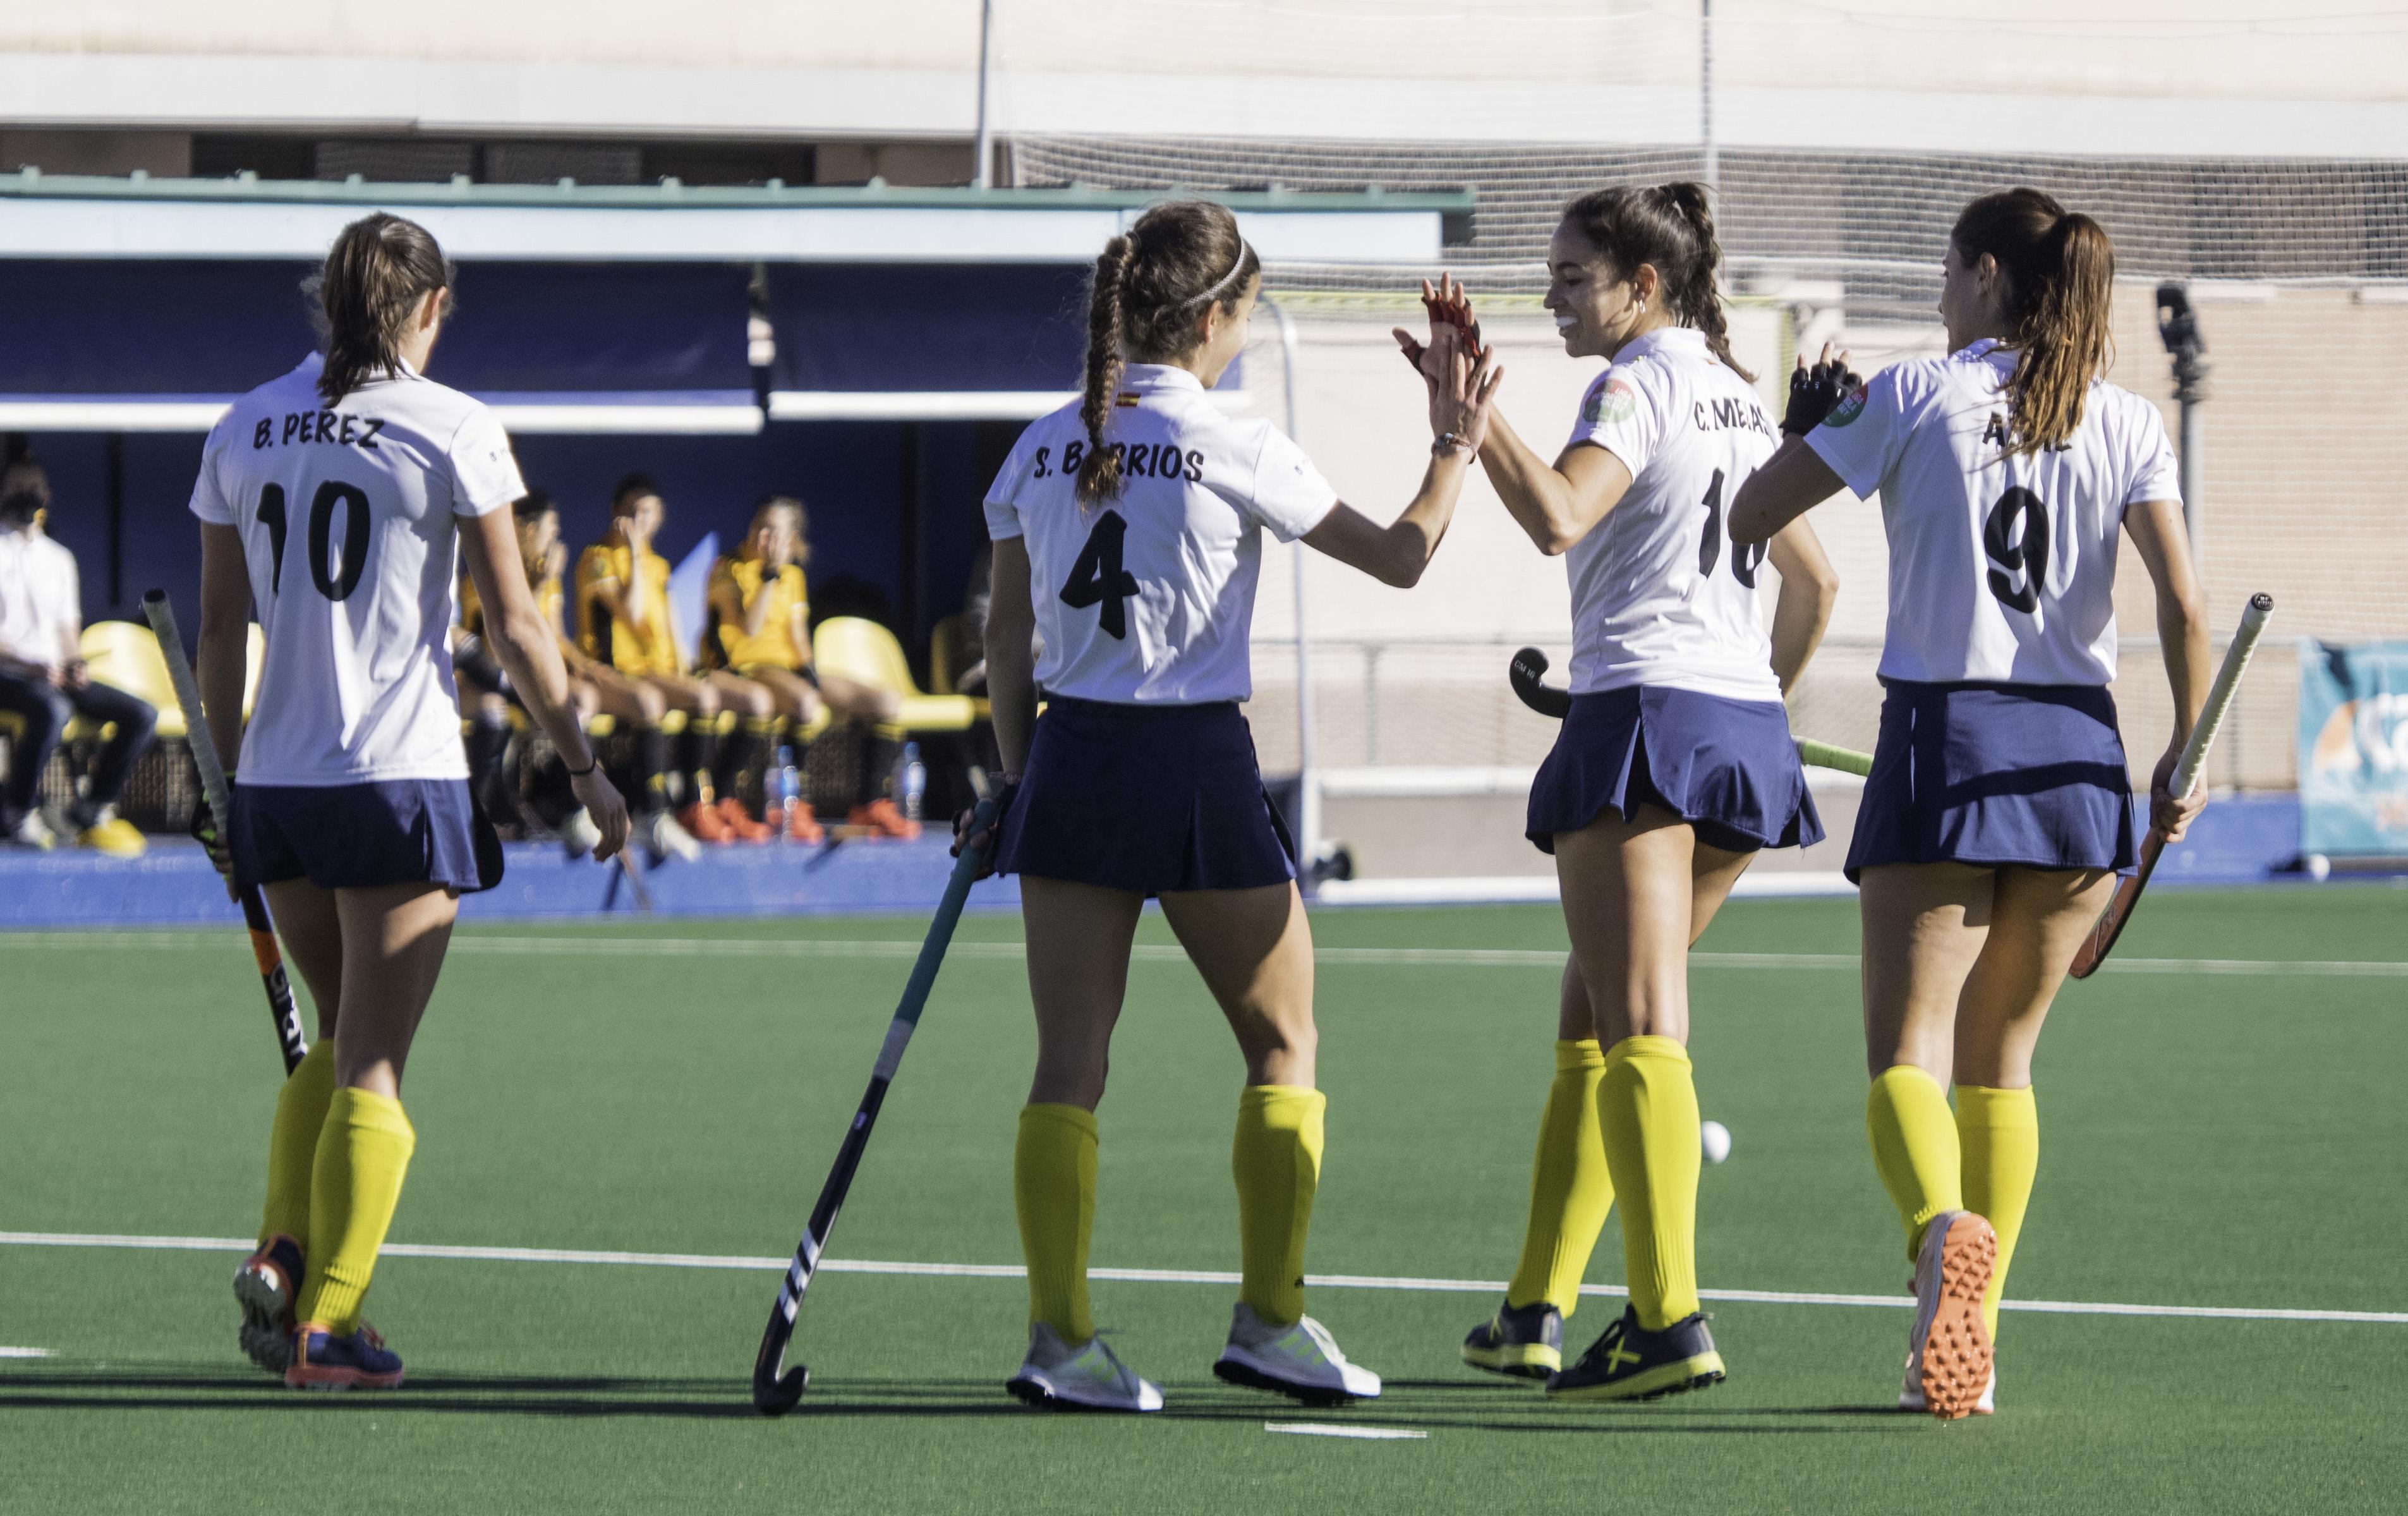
2354 749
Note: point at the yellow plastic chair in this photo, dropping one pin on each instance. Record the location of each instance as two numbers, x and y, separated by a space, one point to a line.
945 649
126 657
853 648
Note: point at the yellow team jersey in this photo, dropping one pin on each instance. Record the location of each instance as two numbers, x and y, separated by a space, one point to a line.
773 647
547 600
652 648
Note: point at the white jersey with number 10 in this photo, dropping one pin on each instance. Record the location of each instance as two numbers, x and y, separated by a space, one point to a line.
2001 570
1660 593
1149 599
346 514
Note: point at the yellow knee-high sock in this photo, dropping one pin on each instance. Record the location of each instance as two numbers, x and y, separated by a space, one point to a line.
1571 1188
1915 1148
293 1143
1999 1133
1053 1189
1276 1159
1647 1108
363 1152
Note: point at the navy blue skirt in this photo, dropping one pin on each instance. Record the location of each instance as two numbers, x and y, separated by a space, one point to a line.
1151 799
1728 767
358 836
2028 774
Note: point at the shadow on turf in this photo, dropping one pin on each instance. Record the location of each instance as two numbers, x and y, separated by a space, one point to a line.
184 1387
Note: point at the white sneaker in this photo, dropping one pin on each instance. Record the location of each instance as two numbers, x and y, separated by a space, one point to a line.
1910 1395
578 834
1087 1376
1300 1360
1949 1352
34 833
662 837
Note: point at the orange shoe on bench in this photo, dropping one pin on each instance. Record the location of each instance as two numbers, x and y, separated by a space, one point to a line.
881 817
740 822
801 825
706 824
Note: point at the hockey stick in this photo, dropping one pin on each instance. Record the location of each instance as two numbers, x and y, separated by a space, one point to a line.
775 1388
289 1036
2101 940
1529 670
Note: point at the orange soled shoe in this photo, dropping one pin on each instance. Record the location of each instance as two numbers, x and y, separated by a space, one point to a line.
265 1286
802 825
1949 1354
706 824
740 822
322 1361
881 817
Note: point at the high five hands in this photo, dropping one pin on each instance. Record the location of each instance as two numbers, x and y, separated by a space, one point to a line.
1449 308
1461 389
1815 389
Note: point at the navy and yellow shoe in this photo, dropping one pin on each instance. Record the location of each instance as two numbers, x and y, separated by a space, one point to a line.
266 1286
322 1361
1526 1342
1630 1363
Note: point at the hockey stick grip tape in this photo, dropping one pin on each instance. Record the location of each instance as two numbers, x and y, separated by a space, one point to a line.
2221 694
1822 755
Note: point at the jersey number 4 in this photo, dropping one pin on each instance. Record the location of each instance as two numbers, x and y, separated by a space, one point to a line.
1098 578
335 582
2017 554
1745 556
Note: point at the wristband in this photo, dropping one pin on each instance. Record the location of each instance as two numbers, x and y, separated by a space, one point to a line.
593 761
1448 444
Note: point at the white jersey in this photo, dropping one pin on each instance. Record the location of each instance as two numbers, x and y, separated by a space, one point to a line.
346 515
1660 592
1149 599
2000 568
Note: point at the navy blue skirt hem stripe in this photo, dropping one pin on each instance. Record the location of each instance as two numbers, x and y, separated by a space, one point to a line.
359 836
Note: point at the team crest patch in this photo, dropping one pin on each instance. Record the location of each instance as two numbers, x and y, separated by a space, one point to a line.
1851 405
1611 403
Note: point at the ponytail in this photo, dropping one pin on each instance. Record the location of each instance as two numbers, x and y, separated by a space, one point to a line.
2059 270
378 269
1099 475
1150 286
1670 226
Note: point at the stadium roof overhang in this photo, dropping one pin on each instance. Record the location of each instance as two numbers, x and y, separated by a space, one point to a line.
609 309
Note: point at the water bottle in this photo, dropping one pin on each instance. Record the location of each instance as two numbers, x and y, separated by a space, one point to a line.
788 783
915 781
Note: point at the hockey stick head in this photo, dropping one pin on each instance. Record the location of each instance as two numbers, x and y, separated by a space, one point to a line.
776 1388
1528 672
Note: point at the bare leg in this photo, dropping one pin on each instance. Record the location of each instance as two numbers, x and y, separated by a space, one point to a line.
393 939
1923 926
1079 939
2038 920
1254 950
312 932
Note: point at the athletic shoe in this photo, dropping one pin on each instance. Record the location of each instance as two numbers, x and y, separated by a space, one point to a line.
266 1286
1949 1354
740 824
578 834
1526 1342
1300 1360
800 825
34 833
1630 1363
322 1361
1086 1377
1910 1395
117 838
664 838
881 817
706 824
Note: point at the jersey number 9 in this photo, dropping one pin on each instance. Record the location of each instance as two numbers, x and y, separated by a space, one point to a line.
335 582
2014 553
1098 578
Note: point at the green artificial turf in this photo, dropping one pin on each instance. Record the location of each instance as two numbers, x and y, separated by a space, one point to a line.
2226 1139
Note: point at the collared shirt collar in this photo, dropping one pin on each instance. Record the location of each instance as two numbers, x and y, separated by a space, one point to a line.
1663 340
1158 377
1980 350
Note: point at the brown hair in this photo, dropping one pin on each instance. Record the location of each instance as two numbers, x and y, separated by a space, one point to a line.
630 489
1672 227
1149 287
2061 279
379 267
802 522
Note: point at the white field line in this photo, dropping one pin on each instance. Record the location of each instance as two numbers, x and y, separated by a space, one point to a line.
1332 1429
1160 1276
584 947
24 1353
